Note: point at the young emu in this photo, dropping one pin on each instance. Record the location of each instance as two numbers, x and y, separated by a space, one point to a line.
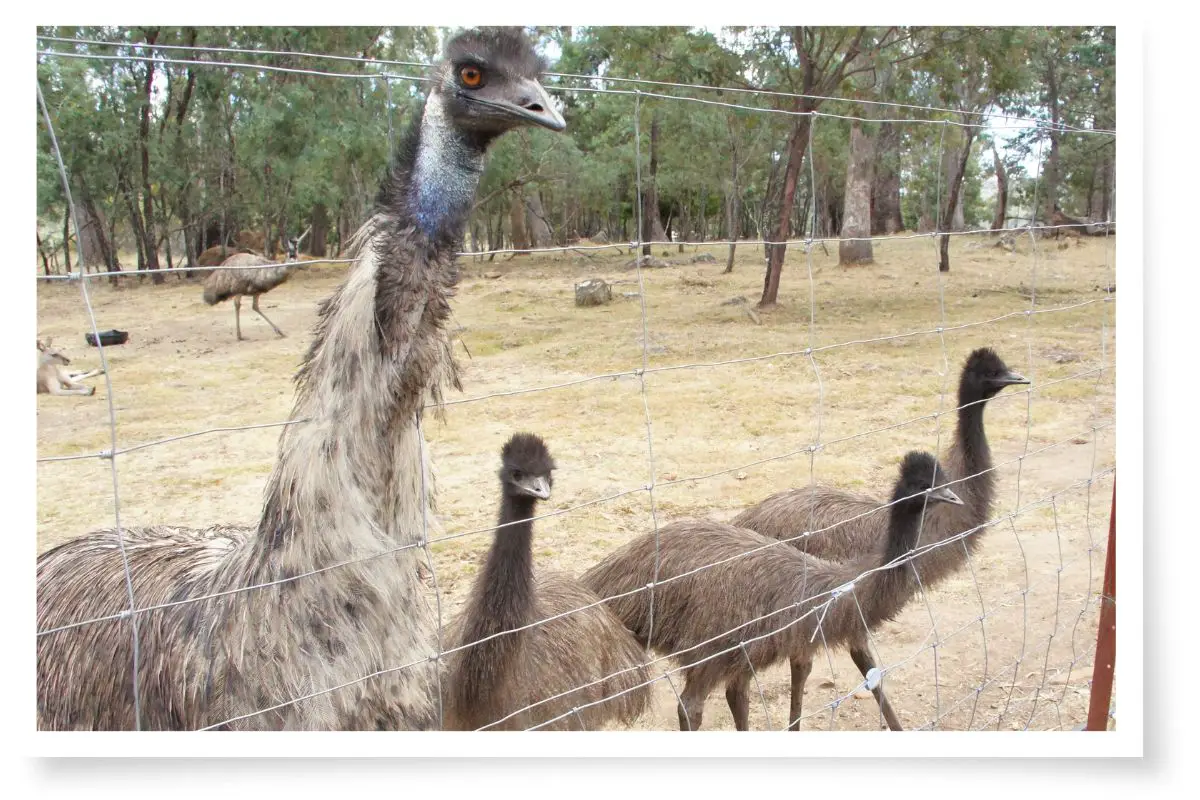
334 558
488 681
714 618
53 379
969 461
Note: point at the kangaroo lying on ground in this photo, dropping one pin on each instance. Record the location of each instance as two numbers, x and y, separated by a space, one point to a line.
53 379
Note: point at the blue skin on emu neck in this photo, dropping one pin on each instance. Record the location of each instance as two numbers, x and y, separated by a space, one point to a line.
446 173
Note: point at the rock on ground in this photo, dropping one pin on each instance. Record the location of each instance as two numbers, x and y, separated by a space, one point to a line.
592 292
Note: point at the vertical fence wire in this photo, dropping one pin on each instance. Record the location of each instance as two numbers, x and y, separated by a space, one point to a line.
638 259
112 414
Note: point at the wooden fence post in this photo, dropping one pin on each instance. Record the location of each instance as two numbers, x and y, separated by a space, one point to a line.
1106 636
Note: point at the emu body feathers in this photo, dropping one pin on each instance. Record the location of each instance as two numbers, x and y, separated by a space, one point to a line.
325 592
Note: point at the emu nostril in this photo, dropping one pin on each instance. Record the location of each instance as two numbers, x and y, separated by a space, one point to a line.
531 106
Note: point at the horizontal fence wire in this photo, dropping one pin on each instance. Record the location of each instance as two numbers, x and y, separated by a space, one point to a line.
568 248
758 92
551 515
808 351
933 640
389 76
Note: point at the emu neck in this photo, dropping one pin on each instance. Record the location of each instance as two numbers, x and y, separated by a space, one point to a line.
445 175
883 592
508 575
501 600
970 437
904 529
352 478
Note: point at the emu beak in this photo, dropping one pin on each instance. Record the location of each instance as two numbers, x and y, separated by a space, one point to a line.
536 486
527 102
1009 378
944 495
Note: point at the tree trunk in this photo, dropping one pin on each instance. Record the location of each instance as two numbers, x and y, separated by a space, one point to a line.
854 248
1050 177
149 236
537 226
952 174
732 212
952 201
1001 191
516 221
42 253
651 224
797 146
885 191
67 236
319 234
95 249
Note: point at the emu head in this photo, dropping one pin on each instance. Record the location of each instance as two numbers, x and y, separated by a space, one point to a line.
526 467
487 83
920 474
985 374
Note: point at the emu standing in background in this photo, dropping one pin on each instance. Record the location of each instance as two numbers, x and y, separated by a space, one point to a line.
257 277
729 601
968 463
515 668
346 504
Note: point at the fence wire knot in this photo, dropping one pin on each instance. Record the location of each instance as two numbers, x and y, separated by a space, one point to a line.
841 590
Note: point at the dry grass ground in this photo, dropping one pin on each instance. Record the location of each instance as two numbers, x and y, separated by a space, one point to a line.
721 434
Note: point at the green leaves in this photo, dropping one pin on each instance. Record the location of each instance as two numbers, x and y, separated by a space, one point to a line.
249 147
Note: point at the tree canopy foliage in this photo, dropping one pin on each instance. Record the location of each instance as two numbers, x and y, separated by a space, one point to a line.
174 146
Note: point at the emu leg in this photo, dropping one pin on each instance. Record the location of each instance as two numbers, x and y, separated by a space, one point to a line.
237 316
691 701
865 663
737 694
254 305
800 670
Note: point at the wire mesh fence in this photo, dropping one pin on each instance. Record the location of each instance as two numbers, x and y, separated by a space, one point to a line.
684 408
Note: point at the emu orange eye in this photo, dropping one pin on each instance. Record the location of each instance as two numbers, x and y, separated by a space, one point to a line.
471 76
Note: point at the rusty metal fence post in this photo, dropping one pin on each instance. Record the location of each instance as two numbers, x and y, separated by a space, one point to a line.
1106 636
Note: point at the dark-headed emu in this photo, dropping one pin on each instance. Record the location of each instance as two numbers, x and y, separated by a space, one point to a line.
729 601
968 463
338 544
587 651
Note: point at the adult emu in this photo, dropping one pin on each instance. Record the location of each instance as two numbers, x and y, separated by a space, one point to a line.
730 601
251 274
969 463
342 521
514 666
